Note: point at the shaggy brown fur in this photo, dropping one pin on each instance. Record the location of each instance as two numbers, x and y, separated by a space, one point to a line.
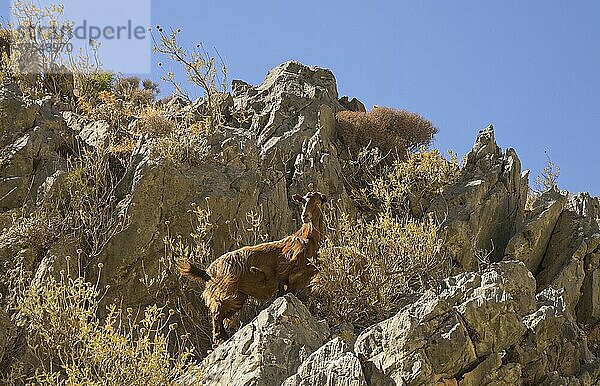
260 270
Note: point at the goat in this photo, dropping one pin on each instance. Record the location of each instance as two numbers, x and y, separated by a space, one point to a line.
260 270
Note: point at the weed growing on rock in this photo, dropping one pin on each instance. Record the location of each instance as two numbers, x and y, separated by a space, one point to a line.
73 346
368 264
202 70
408 186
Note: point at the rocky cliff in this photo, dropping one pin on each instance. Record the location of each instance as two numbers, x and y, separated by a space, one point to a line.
525 313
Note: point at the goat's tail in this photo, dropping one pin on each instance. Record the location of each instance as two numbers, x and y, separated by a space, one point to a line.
188 269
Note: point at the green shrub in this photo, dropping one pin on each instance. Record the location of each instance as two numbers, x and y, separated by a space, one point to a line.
90 85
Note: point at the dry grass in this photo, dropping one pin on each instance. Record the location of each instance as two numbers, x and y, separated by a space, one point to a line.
152 120
392 131
71 345
369 263
367 266
408 186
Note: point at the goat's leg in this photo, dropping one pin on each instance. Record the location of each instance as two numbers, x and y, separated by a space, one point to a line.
299 281
228 308
218 328
235 304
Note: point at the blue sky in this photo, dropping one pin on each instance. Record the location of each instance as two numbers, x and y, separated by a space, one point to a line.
529 67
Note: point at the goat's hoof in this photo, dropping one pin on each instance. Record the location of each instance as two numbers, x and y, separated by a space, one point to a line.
217 343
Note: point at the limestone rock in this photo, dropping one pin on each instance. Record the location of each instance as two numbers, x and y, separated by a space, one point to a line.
492 372
440 336
94 133
553 343
332 364
286 105
573 242
266 351
17 113
485 207
25 164
529 245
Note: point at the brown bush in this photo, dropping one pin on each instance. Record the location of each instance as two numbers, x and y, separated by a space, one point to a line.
395 131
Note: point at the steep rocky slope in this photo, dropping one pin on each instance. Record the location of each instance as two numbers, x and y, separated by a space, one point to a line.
521 316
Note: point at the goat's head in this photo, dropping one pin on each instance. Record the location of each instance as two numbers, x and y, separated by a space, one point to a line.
313 205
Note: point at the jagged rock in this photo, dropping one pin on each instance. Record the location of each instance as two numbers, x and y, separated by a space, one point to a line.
491 372
319 162
442 336
553 343
484 209
94 133
563 265
529 245
294 130
264 352
25 164
286 105
33 155
17 113
588 308
333 364
352 105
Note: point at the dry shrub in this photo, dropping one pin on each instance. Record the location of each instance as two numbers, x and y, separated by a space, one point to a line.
367 266
392 131
369 263
184 145
202 69
152 120
71 345
135 91
409 186
545 180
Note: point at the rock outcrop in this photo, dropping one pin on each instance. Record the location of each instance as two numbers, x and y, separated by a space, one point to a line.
332 364
266 351
519 310
478 328
485 207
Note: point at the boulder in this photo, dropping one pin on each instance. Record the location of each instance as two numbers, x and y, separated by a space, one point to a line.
95 133
573 243
442 336
485 207
286 105
266 351
332 364
553 342
293 129
25 165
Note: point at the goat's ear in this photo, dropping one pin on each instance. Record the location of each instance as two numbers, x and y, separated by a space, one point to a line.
298 198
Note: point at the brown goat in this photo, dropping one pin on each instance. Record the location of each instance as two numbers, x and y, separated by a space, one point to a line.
260 270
